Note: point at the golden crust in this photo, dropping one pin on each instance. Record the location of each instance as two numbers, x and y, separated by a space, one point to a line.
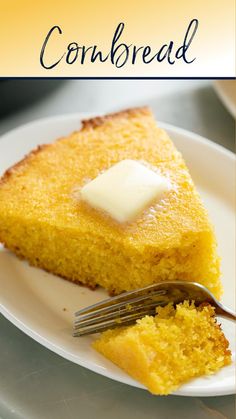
20 164
93 123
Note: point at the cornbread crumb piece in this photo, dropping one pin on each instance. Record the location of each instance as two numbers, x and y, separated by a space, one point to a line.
167 350
43 220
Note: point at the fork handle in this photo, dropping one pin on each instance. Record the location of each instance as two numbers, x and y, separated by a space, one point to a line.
225 312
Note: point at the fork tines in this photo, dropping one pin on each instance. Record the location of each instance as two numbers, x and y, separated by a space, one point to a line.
122 310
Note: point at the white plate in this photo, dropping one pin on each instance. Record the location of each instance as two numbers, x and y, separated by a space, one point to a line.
34 300
226 90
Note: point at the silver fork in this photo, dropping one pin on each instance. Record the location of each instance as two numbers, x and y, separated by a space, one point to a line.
128 307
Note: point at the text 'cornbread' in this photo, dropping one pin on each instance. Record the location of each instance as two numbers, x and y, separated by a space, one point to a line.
44 220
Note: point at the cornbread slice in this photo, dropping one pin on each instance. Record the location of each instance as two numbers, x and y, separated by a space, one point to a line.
44 220
167 350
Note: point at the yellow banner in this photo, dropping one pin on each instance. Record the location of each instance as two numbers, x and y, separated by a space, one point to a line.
126 38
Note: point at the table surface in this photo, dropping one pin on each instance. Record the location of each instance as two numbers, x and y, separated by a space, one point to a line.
35 383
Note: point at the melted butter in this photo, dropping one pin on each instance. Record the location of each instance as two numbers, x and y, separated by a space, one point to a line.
126 190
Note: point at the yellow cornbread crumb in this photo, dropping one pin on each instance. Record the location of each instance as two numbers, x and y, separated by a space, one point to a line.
43 219
167 350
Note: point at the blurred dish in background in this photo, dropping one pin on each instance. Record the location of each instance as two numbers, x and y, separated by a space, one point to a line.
17 93
226 90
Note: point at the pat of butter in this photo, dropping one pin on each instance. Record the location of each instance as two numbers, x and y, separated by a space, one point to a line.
125 190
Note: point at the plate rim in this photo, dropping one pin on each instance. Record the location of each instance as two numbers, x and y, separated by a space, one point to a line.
56 348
